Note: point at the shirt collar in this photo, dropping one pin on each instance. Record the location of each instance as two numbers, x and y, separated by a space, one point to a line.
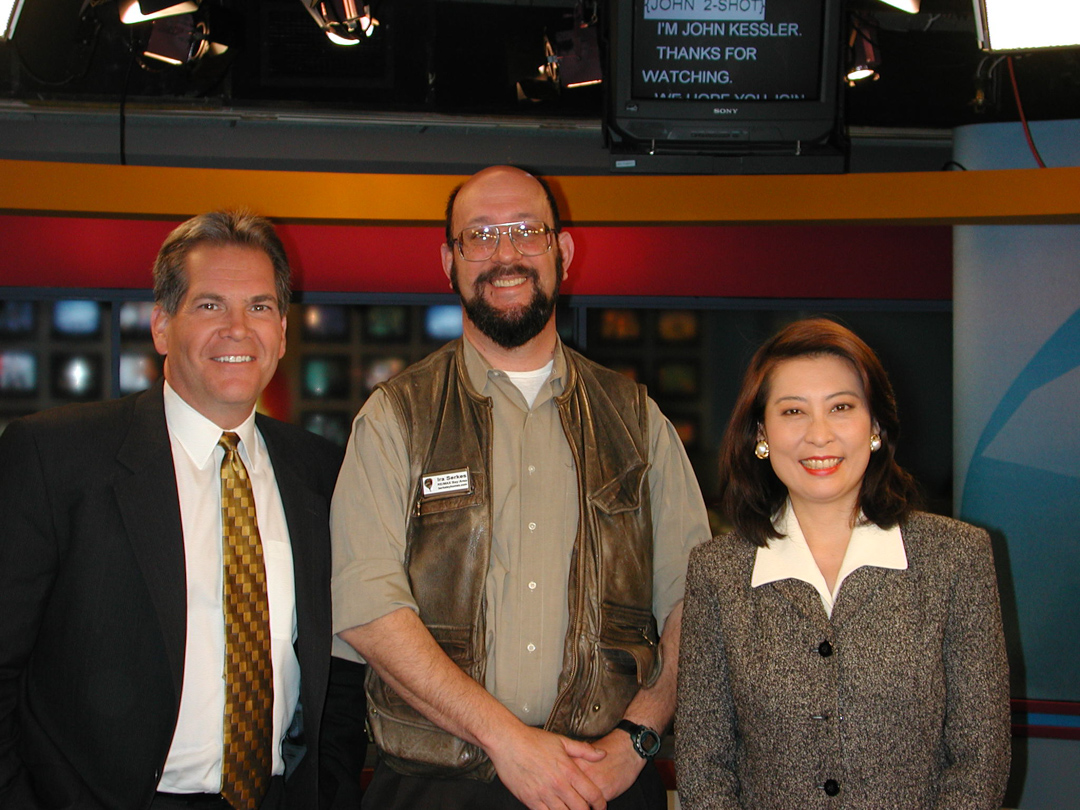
479 369
199 436
789 557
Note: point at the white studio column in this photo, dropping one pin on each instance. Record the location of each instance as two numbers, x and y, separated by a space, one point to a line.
1017 429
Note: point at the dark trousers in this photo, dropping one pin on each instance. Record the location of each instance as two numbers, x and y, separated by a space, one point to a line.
343 740
389 790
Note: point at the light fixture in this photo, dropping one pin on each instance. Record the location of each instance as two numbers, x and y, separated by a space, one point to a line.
343 21
179 40
1023 25
9 15
578 55
910 6
863 56
137 11
544 84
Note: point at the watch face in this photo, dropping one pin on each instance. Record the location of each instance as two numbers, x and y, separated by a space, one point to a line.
649 741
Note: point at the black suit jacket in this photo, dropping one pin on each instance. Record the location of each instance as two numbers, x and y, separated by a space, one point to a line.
93 600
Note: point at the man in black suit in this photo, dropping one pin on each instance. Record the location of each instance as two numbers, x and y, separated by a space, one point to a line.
114 641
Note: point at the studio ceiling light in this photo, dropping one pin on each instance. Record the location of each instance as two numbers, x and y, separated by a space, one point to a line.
179 40
1022 25
910 6
344 22
578 55
9 16
863 55
137 11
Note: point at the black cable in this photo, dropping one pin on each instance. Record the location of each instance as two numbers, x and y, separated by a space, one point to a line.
123 103
74 76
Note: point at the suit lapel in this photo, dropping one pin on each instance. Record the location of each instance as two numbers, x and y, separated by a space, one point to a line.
804 598
150 509
860 589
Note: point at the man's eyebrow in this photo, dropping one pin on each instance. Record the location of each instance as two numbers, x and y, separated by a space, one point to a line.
481 221
219 298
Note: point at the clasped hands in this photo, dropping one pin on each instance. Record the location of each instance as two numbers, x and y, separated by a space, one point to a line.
547 771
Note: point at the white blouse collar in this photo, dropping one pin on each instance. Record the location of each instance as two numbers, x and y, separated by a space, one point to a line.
789 557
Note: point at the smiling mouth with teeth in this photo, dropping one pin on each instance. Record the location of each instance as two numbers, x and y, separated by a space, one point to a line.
820 463
508 282
234 358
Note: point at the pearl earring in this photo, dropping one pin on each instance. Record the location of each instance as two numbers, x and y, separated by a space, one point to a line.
875 443
761 449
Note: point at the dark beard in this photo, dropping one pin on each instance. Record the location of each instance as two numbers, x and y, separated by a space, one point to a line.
517 327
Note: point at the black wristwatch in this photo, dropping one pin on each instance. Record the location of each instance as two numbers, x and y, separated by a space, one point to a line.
646 741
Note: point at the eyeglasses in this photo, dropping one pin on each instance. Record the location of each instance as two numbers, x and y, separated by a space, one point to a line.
529 238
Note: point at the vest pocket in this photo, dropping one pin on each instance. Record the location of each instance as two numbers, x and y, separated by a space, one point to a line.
625 658
629 643
622 493
411 743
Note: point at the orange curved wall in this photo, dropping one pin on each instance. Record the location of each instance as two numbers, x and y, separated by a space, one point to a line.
883 236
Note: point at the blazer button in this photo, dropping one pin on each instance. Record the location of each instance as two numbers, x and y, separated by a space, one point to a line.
824 650
832 787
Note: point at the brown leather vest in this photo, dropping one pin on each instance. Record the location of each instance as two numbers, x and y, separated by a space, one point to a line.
611 645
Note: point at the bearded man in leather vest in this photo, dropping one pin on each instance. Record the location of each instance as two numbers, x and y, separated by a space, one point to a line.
511 522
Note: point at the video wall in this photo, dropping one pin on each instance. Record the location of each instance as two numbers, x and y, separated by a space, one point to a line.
58 351
690 353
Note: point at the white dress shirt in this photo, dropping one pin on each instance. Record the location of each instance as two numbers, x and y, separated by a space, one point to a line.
789 557
194 761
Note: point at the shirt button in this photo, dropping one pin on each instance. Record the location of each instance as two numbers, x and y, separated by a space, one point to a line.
532 586
831 787
532 527
825 650
532 469
531 648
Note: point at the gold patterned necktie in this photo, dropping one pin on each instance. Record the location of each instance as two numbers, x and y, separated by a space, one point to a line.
249 675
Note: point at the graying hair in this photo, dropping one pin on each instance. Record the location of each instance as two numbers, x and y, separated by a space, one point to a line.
238 227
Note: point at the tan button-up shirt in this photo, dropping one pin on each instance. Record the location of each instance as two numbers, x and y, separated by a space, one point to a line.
535 508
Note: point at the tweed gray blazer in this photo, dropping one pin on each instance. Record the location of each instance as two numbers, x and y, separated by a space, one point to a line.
900 700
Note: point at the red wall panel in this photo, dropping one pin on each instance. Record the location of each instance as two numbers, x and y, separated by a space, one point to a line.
757 261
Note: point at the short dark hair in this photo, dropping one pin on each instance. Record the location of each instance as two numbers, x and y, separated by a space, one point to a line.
238 227
556 222
750 492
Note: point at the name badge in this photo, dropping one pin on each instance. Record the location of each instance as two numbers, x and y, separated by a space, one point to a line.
441 483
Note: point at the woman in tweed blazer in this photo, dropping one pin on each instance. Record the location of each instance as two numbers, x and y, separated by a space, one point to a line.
839 650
